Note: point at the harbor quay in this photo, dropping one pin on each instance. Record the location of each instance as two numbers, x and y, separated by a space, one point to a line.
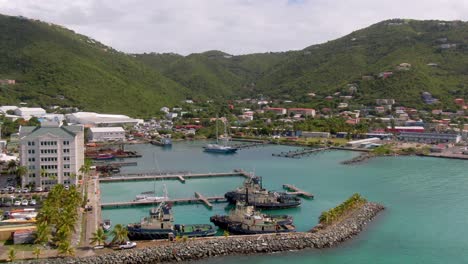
201 248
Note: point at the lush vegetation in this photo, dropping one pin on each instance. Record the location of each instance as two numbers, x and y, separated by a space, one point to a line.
336 213
57 218
55 66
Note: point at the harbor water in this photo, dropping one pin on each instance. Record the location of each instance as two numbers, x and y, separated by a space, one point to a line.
426 199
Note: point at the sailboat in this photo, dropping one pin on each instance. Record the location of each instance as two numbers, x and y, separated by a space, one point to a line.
220 148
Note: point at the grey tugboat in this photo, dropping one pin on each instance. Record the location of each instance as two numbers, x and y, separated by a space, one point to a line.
252 193
159 225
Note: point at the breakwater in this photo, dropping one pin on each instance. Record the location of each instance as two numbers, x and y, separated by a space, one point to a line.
191 250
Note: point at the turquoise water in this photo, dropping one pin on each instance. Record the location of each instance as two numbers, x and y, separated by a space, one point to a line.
426 200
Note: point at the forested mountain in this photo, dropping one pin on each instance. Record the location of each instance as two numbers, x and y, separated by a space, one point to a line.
53 65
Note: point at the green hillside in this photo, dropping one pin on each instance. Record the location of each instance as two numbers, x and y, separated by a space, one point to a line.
327 68
55 66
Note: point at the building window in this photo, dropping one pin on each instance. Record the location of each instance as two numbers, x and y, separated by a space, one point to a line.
66 142
32 167
31 151
31 159
30 143
66 150
66 174
66 158
66 166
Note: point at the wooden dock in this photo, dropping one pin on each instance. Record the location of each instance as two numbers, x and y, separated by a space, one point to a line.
180 177
296 191
198 199
298 153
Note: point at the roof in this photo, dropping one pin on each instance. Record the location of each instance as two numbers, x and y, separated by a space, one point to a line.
300 109
63 132
106 129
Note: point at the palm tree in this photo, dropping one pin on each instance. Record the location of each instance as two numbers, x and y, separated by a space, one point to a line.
12 254
43 233
120 234
99 237
64 248
22 171
12 166
43 174
37 252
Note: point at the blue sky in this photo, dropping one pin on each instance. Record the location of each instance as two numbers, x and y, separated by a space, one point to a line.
233 26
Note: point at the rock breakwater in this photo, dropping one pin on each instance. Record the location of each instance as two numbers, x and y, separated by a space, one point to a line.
318 237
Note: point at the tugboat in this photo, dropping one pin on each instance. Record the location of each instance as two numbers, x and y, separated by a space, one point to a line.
258 224
220 148
159 225
252 193
241 211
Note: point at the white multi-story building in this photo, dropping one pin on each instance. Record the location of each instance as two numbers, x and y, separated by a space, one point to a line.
106 133
51 153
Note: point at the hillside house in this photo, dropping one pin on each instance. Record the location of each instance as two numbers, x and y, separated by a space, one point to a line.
302 111
385 75
276 110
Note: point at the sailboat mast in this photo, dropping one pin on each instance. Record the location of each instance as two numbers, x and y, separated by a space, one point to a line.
217 137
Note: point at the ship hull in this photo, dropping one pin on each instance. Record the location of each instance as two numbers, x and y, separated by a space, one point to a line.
221 151
233 198
223 222
238 230
187 231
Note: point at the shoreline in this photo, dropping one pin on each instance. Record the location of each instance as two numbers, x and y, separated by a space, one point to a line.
198 249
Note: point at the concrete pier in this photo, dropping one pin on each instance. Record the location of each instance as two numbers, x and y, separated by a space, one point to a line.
180 177
198 199
296 191
298 153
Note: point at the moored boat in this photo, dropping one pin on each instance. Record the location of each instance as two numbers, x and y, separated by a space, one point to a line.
106 225
252 193
159 225
104 156
241 211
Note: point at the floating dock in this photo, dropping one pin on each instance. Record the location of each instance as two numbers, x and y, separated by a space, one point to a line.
299 153
117 164
296 191
180 177
199 198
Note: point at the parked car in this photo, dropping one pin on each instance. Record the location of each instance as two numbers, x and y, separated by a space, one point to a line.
38 189
24 202
7 204
67 187
25 190
128 245
17 203
32 202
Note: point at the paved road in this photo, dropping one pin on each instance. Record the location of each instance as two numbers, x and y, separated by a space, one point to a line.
93 216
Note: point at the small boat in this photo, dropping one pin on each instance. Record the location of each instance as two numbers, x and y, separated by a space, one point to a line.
163 142
258 224
145 197
241 211
159 225
106 225
104 156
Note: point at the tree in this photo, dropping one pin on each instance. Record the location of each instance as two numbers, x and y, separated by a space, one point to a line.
21 171
98 237
64 248
37 252
120 234
12 254
43 233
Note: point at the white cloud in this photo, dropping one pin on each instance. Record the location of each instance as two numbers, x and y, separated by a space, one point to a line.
234 26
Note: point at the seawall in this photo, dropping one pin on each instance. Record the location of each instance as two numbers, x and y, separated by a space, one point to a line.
318 237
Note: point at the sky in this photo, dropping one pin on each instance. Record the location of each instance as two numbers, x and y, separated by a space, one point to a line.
233 26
